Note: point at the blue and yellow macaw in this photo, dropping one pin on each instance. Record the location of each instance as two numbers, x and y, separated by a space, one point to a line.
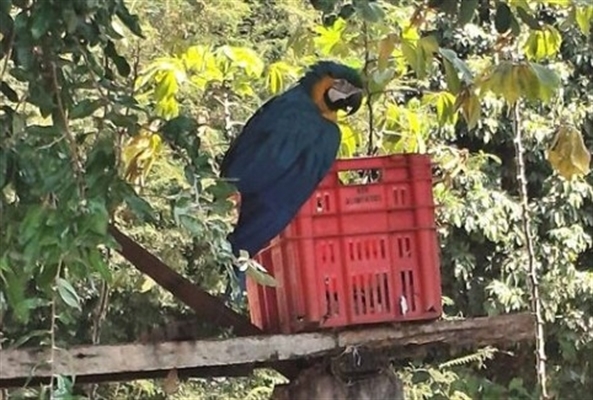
284 151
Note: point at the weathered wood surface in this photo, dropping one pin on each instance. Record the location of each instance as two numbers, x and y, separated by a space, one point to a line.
224 357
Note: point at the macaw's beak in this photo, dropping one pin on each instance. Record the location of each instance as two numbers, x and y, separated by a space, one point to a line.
353 102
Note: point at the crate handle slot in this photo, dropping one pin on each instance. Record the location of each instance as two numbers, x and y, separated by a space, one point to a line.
360 176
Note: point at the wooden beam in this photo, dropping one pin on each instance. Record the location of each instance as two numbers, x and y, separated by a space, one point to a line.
203 303
93 363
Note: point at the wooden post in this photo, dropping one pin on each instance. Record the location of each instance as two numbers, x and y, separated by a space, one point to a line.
318 383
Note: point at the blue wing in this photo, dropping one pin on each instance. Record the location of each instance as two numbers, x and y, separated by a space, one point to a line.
284 151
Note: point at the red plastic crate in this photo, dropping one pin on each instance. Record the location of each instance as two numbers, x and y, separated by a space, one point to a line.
355 254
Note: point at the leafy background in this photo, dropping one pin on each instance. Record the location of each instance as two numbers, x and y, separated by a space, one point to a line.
120 111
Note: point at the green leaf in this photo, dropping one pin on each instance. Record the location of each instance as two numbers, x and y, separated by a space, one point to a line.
85 108
467 11
139 206
181 125
548 79
67 293
31 223
5 160
458 63
515 27
9 92
527 18
191 224
15 293
244 58
503 18
329 38
543 44
371 12
325 6
350 141
275 80
415 56
42 20
97 263
386 47
452 78
258 273
130 21
583 17
445 106
123 68
469 104
98 217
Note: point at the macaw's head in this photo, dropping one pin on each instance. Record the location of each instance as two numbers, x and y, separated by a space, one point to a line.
334 87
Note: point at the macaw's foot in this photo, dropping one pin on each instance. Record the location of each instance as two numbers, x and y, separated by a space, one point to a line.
236 289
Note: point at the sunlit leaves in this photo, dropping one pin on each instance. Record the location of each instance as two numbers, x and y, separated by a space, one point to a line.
350 140
329 39
203 65
419 53
468 103
139 154
244 58
543 43
199 67
444 102
404 130
276 76
568 153
515 80
584 18
386 47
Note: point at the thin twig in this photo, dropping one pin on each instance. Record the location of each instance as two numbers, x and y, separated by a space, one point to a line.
370 149
536 306
99 316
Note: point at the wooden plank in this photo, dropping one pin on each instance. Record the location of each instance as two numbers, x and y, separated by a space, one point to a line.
476 332
94 362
